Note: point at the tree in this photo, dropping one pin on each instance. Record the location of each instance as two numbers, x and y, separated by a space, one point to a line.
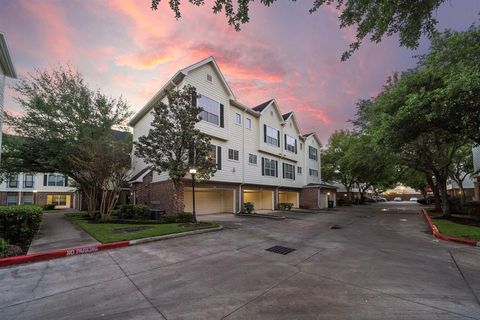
336 165
374 19
462 167
414 179
174 144
61 117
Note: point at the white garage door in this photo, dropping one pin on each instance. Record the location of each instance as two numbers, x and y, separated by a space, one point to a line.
209 200
262 200
288 197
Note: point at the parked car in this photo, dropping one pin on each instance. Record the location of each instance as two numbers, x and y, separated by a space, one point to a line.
427 200
398 199
379 199
413 199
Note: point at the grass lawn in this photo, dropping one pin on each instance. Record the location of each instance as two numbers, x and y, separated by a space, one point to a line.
111 232
458 230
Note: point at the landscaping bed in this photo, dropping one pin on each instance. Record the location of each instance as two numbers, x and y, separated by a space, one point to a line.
451 227
112 232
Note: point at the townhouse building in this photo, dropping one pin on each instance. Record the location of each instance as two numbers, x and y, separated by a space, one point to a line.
38 188
6 70
261 155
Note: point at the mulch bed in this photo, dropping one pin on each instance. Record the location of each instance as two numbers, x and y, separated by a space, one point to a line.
465 220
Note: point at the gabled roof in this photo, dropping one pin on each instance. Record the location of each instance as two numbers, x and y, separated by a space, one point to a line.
314 135
287 115
262 106
175 81
6 63
306 135
139 176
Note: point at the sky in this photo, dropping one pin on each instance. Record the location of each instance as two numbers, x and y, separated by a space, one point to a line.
125 49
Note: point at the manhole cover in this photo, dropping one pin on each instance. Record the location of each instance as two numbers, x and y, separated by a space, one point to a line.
336 226
280 250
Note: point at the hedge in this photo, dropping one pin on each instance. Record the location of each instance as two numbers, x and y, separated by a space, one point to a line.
19 224
134 212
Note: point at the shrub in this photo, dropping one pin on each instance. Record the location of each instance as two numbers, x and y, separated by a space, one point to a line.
285 206
134 211
472 209
3 244
48 207
165 218
184 217
248 207
20 224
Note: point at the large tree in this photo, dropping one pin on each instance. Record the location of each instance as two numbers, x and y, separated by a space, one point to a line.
174 144
462 167
374 19
60 116
336 163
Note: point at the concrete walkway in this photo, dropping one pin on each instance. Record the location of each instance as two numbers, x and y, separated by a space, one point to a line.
57 232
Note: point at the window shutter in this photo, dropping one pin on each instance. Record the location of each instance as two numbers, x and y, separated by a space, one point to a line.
265 133
276 168
66 181
194 98
278 138
219 158
294 172
221 116
295 146
285 146
45 178
283 170
263 166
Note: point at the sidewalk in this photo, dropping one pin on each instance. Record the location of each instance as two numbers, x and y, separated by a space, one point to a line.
56 232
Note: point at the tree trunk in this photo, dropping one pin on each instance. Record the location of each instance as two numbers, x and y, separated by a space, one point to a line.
436 193
349 195
177 199
442 186
463 197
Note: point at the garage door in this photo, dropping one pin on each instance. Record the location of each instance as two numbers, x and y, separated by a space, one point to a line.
209 200
288 197
261 199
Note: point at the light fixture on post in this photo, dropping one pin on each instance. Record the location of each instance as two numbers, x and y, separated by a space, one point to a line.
193 172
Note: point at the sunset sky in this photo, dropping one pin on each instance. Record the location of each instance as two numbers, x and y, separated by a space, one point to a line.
123 48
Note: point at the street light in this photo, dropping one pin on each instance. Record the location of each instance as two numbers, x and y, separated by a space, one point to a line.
193 172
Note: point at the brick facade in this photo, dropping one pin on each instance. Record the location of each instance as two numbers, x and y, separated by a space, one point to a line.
309 198
156 195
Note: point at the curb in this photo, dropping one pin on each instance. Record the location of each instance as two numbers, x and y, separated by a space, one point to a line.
439 235
260 215
68 252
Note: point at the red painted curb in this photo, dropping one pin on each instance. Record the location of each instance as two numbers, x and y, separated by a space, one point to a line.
61 253
439 235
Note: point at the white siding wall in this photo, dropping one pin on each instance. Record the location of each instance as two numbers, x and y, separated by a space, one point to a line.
312 164
38 185
2 90
476 158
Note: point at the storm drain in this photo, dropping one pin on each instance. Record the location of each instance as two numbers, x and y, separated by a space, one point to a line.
280 250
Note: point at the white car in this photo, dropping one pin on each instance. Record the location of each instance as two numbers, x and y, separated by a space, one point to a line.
398 199
413 199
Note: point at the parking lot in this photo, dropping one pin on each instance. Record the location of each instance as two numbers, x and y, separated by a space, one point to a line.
349 263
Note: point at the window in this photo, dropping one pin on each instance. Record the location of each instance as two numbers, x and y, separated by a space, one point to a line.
301 146
13 181
233 154
12 199
299 170
211 110
288 171
312 153
238 118
272 136
209 77
58 199
248 123
290 143
28 180
252 159
56 180
212 155
269 167
313 172
27 198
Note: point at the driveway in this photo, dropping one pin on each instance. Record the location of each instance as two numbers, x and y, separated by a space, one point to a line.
375 265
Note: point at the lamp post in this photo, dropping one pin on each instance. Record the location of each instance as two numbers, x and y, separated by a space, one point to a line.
193 171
